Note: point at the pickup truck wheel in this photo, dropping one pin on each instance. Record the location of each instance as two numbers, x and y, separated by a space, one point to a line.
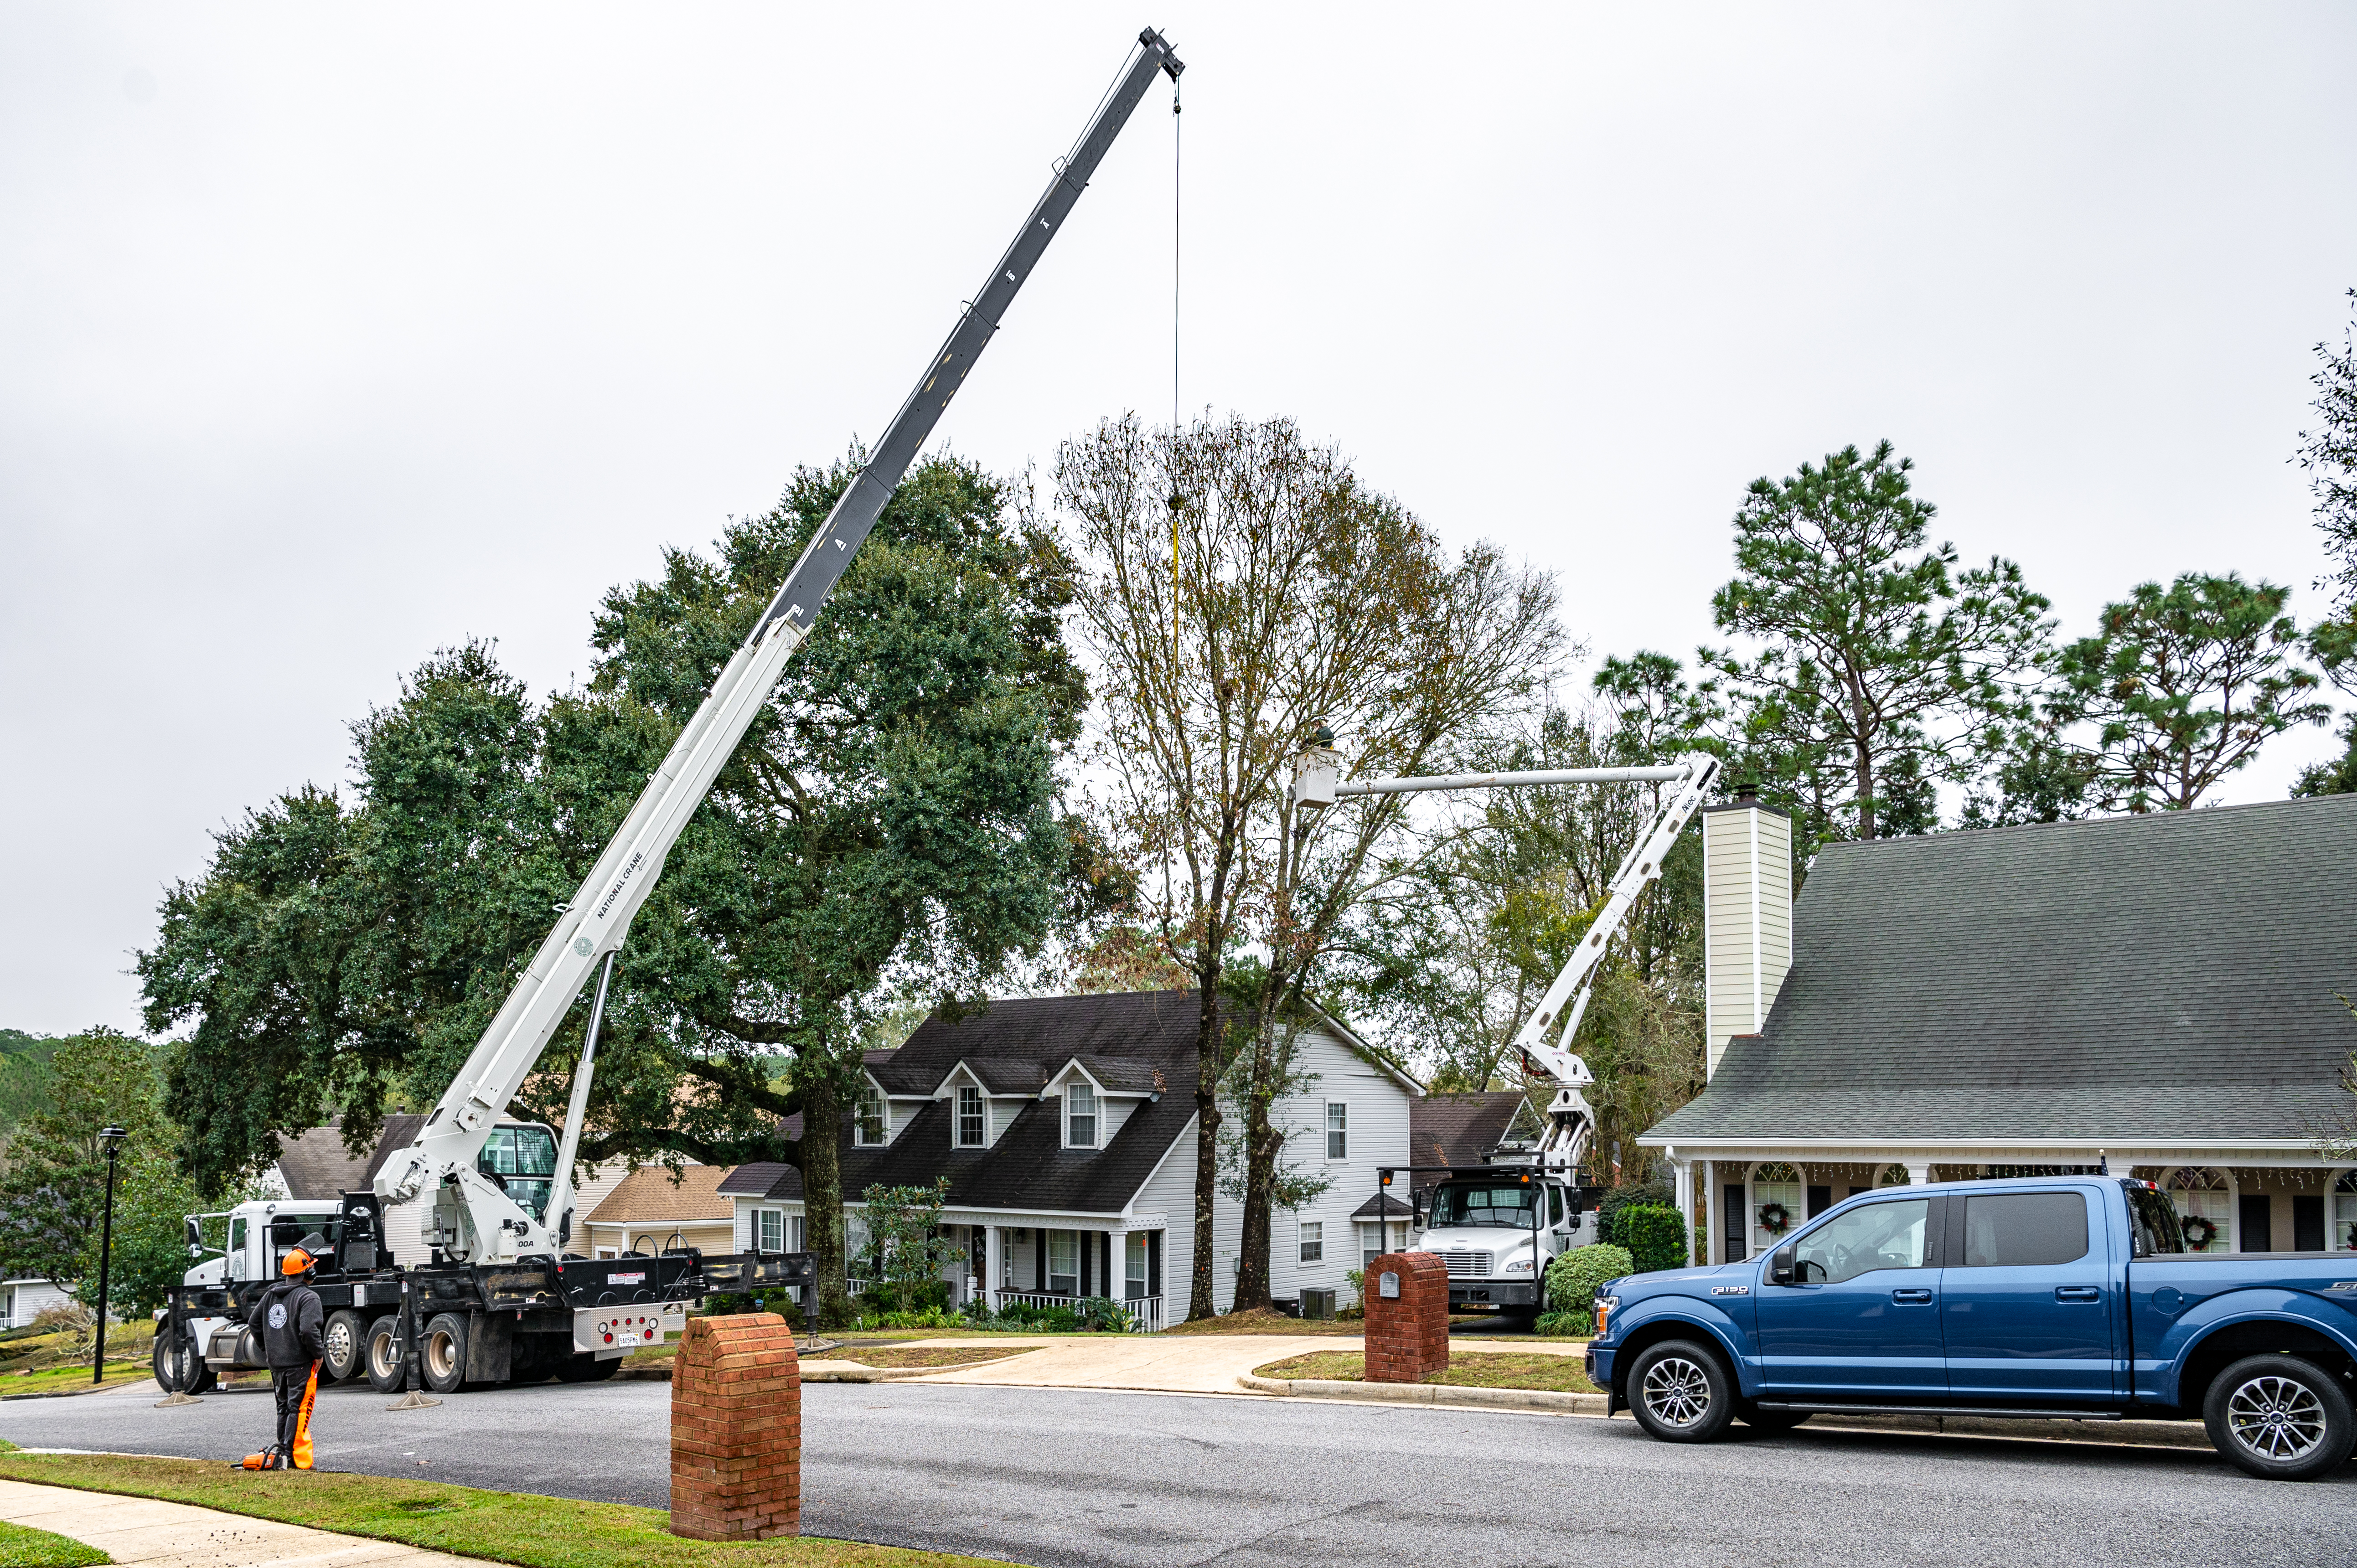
340 1346
442 1352
2280 1418
380 1355
1679 1393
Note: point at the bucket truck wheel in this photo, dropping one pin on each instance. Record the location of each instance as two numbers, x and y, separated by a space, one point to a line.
185 1373
2279 1417
583 1366
380 1355
341 1346
442 1352
1679 1393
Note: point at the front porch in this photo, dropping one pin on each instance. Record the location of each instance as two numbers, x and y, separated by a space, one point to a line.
1049 1264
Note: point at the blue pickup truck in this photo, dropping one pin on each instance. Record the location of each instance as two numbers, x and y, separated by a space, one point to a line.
2058 1296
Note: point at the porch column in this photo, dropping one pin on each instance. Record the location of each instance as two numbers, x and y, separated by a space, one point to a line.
1918 1172
993 1246
1685 1169
1706 1187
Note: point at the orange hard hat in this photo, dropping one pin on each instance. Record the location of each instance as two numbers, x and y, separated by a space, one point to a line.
296 1261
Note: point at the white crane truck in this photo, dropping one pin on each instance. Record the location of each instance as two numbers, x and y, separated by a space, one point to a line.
500 1299
1497 1227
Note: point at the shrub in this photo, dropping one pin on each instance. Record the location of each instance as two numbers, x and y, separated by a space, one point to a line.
1573 1279
1655 1237
1631 1194
1565 1322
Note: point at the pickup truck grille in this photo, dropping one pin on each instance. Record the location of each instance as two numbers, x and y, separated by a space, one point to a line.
1470 1265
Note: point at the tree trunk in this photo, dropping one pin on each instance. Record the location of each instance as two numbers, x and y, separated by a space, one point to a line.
1263 1144
823 1197
1202 1299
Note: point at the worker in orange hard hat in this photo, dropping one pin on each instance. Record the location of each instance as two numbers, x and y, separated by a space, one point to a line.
291 1320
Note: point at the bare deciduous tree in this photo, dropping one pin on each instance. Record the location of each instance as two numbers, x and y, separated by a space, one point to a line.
1242 588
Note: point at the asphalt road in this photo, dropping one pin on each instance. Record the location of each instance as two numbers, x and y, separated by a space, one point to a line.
1057 1476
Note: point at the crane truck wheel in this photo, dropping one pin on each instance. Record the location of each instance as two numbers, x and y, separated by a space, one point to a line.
185 1373
342 1344
380 1357
442 1352
584 1367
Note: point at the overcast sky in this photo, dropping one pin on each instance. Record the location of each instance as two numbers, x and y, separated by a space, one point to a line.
333 334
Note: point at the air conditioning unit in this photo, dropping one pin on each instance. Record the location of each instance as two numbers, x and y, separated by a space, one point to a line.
1318 1304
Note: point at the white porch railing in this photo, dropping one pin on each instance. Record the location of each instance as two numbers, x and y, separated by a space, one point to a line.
1145 1311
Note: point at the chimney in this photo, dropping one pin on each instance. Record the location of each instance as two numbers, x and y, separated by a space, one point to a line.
1747 859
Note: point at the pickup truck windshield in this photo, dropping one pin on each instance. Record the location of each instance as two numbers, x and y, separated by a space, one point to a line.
1464 1203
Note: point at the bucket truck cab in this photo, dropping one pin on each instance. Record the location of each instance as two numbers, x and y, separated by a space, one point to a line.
1497 1229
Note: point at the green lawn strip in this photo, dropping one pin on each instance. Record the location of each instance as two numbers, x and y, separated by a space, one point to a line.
1472 1369
67 1380
22 1546
506 1526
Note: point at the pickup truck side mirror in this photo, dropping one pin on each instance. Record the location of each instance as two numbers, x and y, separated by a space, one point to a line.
1780 1265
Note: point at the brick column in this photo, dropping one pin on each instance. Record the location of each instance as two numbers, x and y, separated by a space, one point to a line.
1407 1332
737 1430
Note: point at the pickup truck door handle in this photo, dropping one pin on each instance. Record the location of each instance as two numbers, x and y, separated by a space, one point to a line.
2077 1293
1917 1297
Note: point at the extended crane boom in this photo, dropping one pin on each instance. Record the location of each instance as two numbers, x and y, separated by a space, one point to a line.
475 1219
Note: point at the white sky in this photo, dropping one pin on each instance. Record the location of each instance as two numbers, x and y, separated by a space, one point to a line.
329 336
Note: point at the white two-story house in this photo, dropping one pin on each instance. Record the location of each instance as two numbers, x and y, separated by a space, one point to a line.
1066 1127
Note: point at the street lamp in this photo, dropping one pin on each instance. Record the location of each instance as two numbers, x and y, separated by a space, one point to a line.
110 1138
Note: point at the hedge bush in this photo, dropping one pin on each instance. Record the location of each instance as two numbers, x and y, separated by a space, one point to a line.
1655 1235
1573 1279
1565 1322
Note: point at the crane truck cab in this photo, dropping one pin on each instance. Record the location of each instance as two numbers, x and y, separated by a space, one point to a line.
1496 1229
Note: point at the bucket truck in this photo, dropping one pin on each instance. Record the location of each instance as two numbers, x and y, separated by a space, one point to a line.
500 1299
1497 1227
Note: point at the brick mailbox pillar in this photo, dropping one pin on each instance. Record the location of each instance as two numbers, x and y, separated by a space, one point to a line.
737 1430
1407 1317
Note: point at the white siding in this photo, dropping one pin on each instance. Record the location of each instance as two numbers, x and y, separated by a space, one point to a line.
1378 1135
1747 921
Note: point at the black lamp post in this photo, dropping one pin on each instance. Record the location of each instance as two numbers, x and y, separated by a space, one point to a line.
110 1137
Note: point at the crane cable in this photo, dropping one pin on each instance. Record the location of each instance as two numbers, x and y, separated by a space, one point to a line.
1175 497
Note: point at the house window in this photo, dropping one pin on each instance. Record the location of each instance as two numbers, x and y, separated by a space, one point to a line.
969 1118
1134 1266
872 1122
1080 1111
1313 1241
2342 1235
773 1229
1338 1130
1779 1200
1064 1261
2203 1195
1371 1243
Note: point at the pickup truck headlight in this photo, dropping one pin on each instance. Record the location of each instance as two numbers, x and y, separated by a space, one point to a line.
1606 1306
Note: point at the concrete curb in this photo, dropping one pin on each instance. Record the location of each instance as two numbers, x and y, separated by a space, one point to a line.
1427 1393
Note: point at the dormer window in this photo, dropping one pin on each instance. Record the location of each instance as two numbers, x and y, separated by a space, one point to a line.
1080 1115
970 1117
869 1120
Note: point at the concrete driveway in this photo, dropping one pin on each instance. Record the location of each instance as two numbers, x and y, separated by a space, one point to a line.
1165 1363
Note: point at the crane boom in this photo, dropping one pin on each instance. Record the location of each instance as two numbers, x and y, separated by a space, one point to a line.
478 1221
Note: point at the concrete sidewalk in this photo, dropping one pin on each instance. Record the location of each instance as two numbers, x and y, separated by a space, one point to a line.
157 1534
1156 1363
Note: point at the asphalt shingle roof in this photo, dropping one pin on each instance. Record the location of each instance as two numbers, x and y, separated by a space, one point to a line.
1144 1039
2138 978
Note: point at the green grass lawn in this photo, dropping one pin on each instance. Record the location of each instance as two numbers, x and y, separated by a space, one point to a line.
932 1355
22 1546
506 1526
61 1379
1472 1369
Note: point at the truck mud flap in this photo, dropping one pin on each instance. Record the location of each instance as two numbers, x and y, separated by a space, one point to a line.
490 1347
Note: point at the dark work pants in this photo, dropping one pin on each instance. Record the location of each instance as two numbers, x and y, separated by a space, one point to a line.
295 1389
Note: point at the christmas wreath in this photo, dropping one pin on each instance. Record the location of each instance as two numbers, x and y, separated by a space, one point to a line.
2198 1232
1775 1218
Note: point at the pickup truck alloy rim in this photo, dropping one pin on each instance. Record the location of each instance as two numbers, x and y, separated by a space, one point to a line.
1676 1392
2275 1418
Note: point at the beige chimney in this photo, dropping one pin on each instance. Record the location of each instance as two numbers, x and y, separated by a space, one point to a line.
1747 880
